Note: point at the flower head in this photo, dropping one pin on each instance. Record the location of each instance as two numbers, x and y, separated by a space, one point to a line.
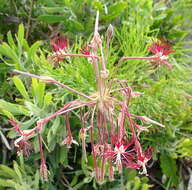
22 145
59 44
142 156
122 156
161 49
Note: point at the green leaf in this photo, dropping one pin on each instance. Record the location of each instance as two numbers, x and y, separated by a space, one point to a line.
78 186
34 48
7 172
9 52
63 158
74 180
29 122
52 18
50 3
20 86
37 178
117 7
17 170
33 109
7 183
6 113
21 34
161 6
7 109
169 167
38 90
145 187
55 126
160 17
40 93
52 133
52 10
184 148
11 41
98 5
137 183
74 25
115 10
48 99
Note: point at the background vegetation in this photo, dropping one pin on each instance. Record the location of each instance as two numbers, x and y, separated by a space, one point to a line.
167 94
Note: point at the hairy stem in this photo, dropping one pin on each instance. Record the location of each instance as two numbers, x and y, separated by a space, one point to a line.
148 58
51 80
41 149
67 125
92 145
60 112
76 55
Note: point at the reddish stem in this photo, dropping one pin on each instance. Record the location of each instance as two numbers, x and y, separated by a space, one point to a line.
67 124
102 171
92 146
60 112
100 131
41 149
47 79
148 58
77 55
130 122
69 88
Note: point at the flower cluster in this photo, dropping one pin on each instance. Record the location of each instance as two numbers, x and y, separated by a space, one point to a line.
112 129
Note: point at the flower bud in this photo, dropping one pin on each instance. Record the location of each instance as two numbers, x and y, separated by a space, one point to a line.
110 32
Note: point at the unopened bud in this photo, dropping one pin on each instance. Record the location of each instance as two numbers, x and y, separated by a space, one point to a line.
110 32
44 171
95 42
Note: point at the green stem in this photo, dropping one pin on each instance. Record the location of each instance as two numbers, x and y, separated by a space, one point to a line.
29 20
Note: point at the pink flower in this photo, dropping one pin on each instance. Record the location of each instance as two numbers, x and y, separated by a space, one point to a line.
143 157
161 48
59 44
129 154
22 145
121 156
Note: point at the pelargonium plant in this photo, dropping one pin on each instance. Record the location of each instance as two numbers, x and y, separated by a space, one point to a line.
112 129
